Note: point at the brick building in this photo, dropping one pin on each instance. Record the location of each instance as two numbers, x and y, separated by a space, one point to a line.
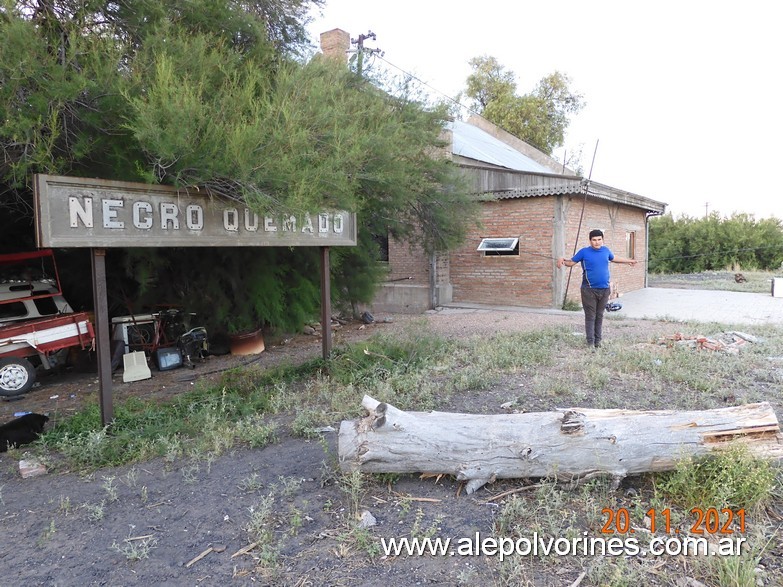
531 213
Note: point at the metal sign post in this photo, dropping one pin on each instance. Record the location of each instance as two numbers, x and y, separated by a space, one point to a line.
102 333
326 305
99 214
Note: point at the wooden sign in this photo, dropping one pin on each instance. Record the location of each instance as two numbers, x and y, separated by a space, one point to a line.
82 212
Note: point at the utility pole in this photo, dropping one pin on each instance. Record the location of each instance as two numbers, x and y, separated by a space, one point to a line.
360 50
706 209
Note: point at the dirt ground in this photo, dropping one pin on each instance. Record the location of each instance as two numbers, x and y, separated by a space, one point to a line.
65 529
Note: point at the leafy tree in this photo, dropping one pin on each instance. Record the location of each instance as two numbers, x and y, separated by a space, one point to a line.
692 245
540 117
490 82
206 93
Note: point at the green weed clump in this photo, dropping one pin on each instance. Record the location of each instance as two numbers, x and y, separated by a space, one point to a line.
203 421
415 369
733 478
387 356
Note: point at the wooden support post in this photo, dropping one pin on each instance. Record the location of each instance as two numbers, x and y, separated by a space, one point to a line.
102 333
326 305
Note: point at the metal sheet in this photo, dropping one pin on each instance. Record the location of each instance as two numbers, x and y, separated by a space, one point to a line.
472 142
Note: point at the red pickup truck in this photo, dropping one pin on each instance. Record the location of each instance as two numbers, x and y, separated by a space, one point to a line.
36 323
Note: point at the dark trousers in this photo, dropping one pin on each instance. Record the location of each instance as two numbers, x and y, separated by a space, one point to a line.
594 302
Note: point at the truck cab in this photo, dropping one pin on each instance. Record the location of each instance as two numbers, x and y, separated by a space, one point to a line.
20 301
36 323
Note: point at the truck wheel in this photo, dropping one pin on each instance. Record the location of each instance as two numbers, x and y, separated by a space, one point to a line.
16 376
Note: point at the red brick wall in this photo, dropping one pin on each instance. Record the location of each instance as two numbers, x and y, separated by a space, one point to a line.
527 279
615 220
406 260
524 280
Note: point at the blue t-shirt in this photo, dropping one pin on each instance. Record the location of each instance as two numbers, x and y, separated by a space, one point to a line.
595 266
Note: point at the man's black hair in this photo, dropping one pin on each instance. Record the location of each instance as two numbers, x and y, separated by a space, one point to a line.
596 232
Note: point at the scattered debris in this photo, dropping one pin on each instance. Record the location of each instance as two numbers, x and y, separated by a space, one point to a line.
729 342
748 337
410 497
367 318
688 582
513 491
31 469
508 405
308 330
198 557
245 550
367 520
145 537
739 278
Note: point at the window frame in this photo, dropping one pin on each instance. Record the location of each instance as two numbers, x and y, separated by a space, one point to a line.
511 247
630 244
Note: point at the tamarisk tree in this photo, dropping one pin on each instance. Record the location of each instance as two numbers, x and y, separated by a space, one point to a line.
219 95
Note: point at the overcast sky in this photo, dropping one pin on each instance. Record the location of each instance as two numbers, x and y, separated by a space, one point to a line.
683 97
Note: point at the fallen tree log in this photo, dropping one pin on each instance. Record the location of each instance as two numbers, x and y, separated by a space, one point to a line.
568 444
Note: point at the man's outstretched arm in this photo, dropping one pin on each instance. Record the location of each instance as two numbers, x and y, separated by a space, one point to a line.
567 262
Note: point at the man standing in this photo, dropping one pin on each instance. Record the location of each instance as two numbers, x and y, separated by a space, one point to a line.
595 261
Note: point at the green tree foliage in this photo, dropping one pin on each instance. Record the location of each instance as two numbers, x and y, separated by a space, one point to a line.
691 245
206 94
540 117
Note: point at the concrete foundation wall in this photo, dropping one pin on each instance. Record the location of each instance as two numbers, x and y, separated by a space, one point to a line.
404 298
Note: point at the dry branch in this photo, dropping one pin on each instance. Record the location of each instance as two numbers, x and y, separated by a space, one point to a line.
568 444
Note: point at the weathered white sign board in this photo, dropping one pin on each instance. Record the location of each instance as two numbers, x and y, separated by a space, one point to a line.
83 212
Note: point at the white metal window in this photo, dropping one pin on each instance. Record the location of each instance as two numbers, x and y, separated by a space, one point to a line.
499 246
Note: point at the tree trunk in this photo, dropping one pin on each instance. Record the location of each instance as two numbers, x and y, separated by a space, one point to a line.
569 444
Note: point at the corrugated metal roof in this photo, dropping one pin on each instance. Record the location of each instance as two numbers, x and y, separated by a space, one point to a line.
548 186
472 142
522 176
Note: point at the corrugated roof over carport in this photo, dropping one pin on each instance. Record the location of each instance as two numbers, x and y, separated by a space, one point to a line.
530 185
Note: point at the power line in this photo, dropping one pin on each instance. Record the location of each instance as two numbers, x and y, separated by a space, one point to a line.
422 82
652 261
